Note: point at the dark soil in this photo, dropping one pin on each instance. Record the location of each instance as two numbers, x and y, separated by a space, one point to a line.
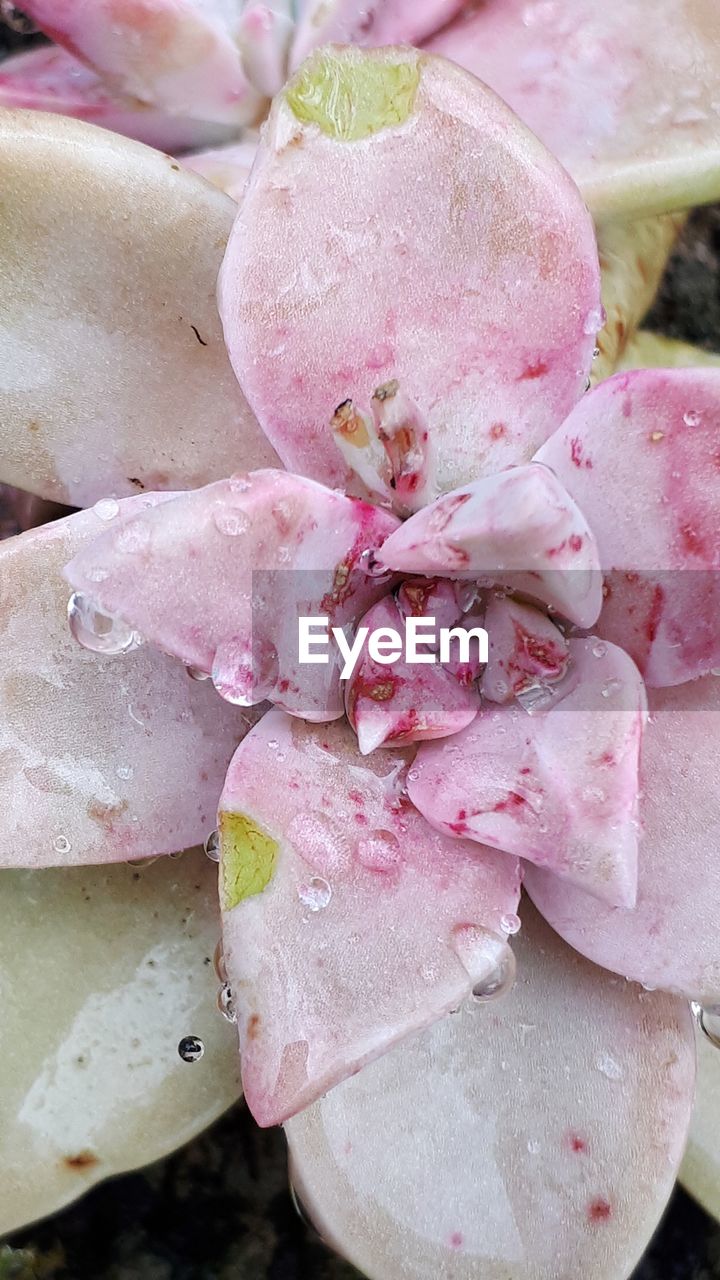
220 1209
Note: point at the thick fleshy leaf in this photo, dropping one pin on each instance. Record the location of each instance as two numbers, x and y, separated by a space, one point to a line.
538 1137
520 527
221 578
50 79
406 701
357 22
633 256
630 107
92 1081
226 167
479 288
103 758
671 939
347 922
264 34
651 350
177 54
559 788
113 371
525 649
700 1169
658 537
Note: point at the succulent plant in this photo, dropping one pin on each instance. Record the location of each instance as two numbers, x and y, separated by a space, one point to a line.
416 354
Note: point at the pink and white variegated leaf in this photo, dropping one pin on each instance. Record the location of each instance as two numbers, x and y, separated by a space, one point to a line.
670 939
221 577
51 79
519 528
114 376
405 701
105 758
516 1139
347 922
631 107
640 457
374 23
558 787
525 649
177 54
479 288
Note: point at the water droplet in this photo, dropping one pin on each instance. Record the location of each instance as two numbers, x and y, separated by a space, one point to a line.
413 775
315 894
234 523
240 482
226 1004
219 962
98 631
609 1067
61 844
371 566
715 671
124 771
594 321
610 687
245 672
467 594
488 959
212 846
599 649
379 851
535 697
510 923
98 574
708 1020
534 1148
196 673
106 508
692 418
191 1049
318 841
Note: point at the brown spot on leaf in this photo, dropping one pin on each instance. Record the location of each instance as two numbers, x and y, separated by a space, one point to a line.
83 1160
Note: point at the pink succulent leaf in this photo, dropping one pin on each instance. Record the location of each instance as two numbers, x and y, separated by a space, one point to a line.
524 649
180 55
106 758
405 438
226 167
536 1137
479 291
379 22
434 598
356 436
640 457
520 528
220 577
264 33
559 788
129 274
671 939
50 79
393 705
466 669
632 111
317 842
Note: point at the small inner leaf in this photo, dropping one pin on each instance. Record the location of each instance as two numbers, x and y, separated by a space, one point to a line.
247 859
349 98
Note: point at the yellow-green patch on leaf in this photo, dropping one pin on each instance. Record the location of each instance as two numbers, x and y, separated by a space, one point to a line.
350 95
247 858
